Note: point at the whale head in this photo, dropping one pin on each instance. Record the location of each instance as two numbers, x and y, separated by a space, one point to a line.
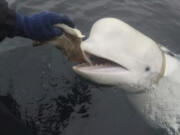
116 54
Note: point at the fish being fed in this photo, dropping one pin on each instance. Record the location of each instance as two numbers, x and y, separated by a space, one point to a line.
68 43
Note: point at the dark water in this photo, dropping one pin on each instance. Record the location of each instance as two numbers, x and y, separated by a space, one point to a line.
39 88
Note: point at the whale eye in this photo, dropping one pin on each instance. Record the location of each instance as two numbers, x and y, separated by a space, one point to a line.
147 69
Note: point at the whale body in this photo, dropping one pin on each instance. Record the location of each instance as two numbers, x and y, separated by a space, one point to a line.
118 55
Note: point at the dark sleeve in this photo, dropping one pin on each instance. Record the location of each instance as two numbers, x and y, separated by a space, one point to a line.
7 20
10 125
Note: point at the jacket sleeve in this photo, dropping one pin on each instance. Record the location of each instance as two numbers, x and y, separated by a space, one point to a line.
7 20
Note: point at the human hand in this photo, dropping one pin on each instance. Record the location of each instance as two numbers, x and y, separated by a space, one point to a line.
40 26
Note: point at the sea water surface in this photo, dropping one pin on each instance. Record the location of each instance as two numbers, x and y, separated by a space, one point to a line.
40 89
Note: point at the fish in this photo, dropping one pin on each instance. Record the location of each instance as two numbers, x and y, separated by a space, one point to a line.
69 43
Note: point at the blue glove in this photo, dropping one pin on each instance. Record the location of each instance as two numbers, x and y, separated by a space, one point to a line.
40 26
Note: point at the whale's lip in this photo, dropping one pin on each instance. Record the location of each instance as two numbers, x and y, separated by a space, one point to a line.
96 63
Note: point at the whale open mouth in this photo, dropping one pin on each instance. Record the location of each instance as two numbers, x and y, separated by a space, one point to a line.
94 62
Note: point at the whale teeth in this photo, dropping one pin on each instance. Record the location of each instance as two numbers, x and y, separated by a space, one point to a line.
87 58
96 61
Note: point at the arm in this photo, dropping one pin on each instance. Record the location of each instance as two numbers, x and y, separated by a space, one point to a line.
39 26
7 20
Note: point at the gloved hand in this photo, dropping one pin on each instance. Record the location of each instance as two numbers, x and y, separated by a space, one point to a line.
40 26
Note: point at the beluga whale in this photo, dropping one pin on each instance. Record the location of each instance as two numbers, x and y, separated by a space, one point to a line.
118 55
115 54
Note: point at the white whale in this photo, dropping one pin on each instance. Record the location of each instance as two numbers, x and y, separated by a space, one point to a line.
120 56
